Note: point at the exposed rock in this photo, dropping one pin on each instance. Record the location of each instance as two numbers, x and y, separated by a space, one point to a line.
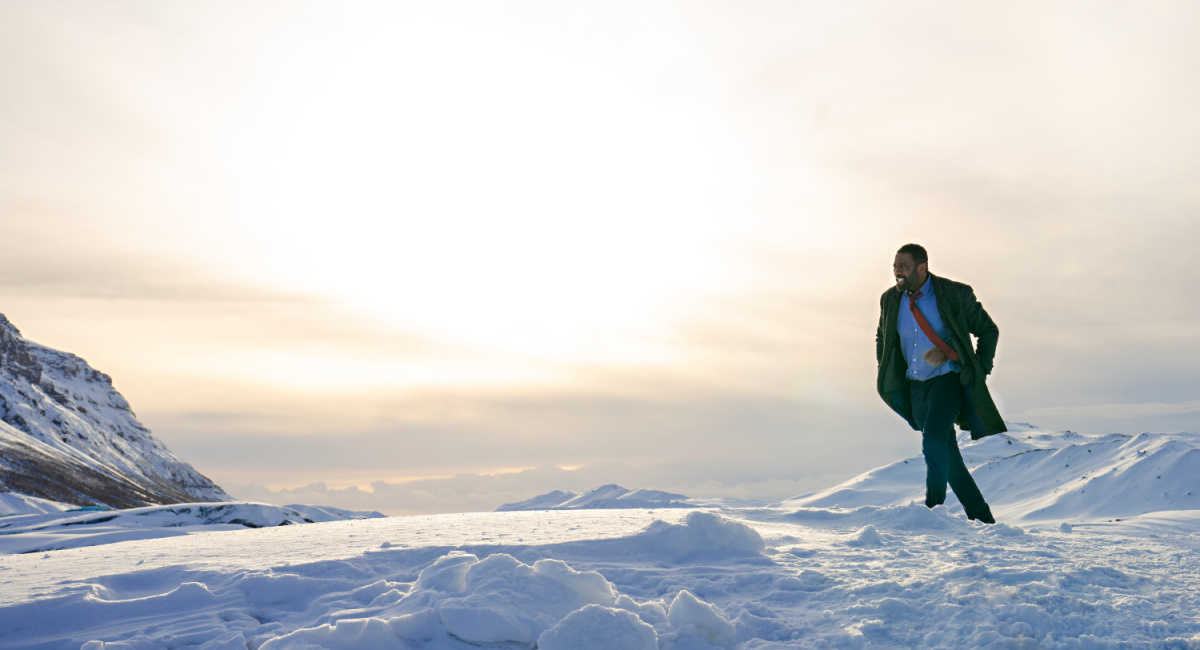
67 435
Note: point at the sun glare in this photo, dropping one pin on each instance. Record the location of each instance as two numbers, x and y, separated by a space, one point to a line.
463 181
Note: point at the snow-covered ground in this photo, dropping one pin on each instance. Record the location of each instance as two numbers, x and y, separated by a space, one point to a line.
61 527
1097 547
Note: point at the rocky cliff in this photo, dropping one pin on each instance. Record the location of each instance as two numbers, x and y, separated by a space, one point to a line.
67 435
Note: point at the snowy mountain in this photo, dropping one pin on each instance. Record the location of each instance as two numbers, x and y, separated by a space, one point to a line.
604 497
1097 549
66 435
612 496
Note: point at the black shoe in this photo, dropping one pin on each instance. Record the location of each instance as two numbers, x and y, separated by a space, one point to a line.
984 515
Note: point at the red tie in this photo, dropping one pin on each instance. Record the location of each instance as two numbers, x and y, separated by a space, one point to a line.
929 333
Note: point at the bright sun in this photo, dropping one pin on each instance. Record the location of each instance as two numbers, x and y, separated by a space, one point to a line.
462 181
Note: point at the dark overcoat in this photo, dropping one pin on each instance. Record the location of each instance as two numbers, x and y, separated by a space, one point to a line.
963 316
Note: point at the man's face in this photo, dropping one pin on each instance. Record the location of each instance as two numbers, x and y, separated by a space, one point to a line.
909 275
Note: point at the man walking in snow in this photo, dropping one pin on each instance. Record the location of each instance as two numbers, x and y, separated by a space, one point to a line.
931 376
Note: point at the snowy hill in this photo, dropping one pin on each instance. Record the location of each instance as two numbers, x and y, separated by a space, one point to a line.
604 497
857 566
1030 476
66 435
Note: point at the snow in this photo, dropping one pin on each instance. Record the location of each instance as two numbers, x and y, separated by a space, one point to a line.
695 617
62 528
860 565
20 504
1033 476
594 627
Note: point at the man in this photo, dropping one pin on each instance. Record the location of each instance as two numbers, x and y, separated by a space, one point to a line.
931 376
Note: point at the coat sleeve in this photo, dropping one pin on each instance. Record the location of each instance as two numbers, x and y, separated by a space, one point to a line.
983 327
879 330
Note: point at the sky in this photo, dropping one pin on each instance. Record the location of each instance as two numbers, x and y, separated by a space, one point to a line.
429 252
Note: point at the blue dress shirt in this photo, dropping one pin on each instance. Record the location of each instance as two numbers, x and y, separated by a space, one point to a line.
913 341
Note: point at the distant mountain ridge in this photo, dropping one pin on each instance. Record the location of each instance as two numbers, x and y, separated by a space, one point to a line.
68 436
606 497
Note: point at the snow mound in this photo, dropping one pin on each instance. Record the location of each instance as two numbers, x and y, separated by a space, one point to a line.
461 600
12 503
95 525
697 618
701 534
507 601
594 627
911 516
1030 475
604 497
866 536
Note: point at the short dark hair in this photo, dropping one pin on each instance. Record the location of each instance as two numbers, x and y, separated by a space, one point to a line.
917 251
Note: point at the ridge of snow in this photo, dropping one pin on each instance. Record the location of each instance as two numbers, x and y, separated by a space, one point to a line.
1030 475
22 504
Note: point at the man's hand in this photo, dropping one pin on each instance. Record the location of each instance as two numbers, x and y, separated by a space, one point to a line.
935 357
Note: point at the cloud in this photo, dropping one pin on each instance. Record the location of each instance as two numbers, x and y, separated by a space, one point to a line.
685 436
74 276
1119 417
1102 411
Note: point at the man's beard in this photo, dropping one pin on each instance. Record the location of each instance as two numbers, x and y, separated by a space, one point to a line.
908 280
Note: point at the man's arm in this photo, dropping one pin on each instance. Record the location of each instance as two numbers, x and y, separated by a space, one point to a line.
879 331
984 329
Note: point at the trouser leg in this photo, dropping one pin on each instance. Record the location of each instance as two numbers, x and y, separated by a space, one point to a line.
936 404
935 473
962 483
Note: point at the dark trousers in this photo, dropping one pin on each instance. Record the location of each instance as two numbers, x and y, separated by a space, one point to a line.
936 403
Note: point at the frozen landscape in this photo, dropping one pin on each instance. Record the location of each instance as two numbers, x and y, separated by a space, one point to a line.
537 325
1096 547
